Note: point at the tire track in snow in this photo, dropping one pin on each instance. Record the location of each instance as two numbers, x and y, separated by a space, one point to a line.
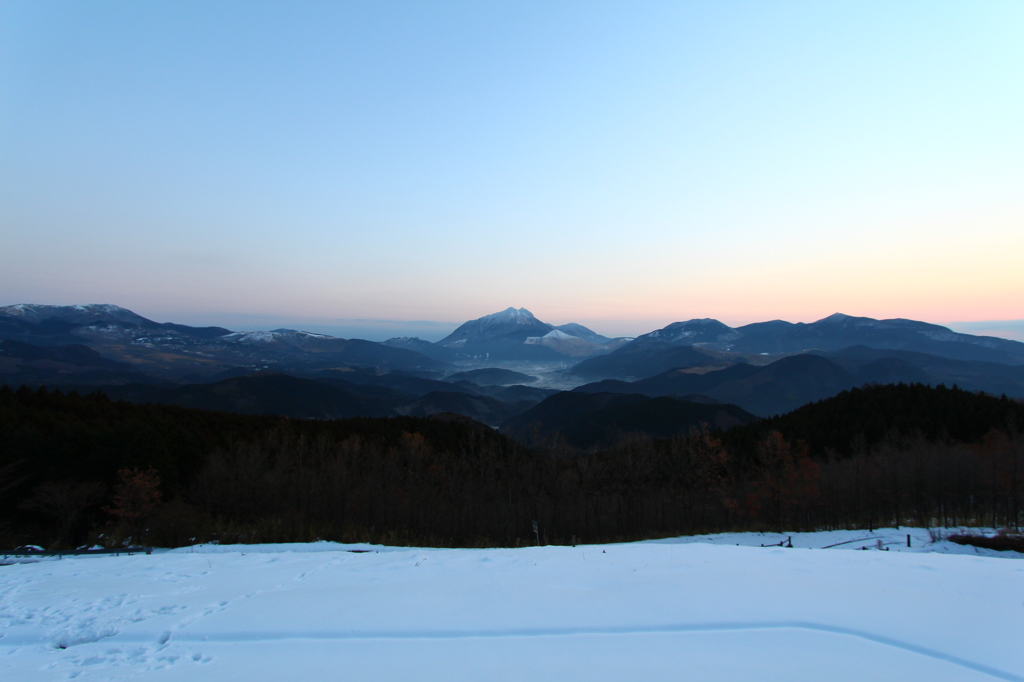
527 633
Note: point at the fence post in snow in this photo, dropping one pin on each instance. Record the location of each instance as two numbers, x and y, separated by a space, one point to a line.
908 539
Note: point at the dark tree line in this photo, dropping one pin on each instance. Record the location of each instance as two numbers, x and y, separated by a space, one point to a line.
82 469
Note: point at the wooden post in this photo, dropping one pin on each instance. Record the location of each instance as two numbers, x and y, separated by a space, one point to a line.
908 539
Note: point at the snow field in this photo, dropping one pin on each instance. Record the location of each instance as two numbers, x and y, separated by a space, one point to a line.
686 608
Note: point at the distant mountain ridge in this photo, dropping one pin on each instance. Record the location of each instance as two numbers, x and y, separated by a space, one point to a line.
75 314
103 344
650 353
52 325
689 372
704 331
773 389
839 331
176 352
795 380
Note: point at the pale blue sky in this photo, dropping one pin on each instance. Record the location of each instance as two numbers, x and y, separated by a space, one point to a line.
622 165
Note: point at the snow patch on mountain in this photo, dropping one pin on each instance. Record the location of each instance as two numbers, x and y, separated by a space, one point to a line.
692 332
579 331
105 312
272 336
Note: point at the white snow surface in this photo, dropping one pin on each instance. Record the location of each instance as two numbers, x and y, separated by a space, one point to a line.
699 608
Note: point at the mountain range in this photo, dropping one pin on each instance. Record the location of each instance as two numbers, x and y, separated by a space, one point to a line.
714 343
173 352
758 369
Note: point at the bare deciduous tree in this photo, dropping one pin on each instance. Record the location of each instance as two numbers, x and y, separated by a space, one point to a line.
65 501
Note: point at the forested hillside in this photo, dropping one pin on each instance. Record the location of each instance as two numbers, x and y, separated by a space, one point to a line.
83 469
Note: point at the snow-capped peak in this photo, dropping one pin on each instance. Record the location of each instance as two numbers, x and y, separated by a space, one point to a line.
510 316
511 321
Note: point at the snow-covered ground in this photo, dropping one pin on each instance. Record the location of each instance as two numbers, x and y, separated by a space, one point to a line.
680 609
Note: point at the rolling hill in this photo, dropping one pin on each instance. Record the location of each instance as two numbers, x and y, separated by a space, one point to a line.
595 420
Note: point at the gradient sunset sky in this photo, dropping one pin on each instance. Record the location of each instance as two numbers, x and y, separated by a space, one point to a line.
381 168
